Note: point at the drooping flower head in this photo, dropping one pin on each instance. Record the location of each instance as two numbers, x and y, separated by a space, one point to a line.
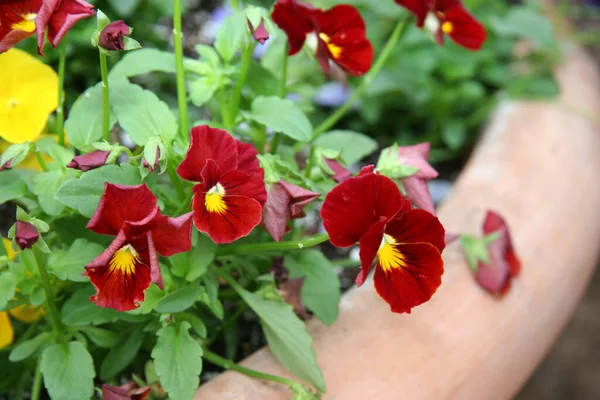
370 210
26 235
128 391
20 19
453 18
123 272
340 32
89 161
230 193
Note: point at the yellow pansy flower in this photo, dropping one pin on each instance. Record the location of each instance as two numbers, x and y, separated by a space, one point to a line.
29 95
6 330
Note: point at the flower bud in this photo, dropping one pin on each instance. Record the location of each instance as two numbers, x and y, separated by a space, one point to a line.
111 37
6 165
26 235
260 33
86 162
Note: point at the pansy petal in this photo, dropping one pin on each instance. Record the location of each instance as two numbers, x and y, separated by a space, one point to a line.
7 334
173 235
340 173
300 197
414 281
247 160
463 28
236 219
353 206
369 245
296 19
417 226
419 8
119 204
417 191
208 143
59 16
239 183
15 21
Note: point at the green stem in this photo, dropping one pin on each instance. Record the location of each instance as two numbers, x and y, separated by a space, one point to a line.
60 111
282 93
367 80
181 91
310 160
36 390
50 300
216 359
236 96
244 249
105 101
41 160
235 4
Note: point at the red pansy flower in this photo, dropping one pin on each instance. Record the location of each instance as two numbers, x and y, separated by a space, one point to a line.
369 209
123 272
415 185
454 20
285 201
340 31
496 276
229 197
20 19
128 391
88 161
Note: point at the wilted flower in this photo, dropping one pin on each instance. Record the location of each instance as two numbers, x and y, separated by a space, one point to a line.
111 37
229 197
123 272
340 32
86 162
128 391
26 235
340 173
453 20
415 185
260 33
285 201
369 209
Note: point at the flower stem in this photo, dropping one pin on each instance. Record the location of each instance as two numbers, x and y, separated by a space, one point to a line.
60 111
240 249
236 96
216 359
282 93
41 161
50 300
180 72
105 101
367 80
37 382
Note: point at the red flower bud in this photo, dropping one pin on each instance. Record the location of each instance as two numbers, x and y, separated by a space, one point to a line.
85 162
26 235
6 165
111 37
156 160
260 34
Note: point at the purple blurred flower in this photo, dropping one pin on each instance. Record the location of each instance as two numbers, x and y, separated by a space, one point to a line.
332 94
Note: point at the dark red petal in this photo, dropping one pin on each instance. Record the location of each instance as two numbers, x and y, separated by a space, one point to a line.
155 274
208 143
417 191
413 283
86 162
494 276
172 235
111 37
444 5
369 245
466 30
119 204
419 8
296 19
367 169
12 12
300 198
239 183
493 222
340 173
247 160
340 18
242 214
417 226
59 16
26 235
114 287
353 206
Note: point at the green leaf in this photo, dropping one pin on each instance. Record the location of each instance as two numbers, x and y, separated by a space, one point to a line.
152 296
353 146
230 36
124 8
197 324
11 186
15 153
68 371
178 361
194 263
101 337
58 153
45 186
209 55
203 89
321 288
80 311
142 62
454 134
281 115
261 81
287 337
83 194
130 43
141 113
8 286
120 356
25 349
179 300
209 295
68 264
84 124
524 22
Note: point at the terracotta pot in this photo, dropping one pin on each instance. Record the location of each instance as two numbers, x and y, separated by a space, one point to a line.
538 165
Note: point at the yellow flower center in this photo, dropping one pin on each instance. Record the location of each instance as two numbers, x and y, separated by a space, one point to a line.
213 201
447 27
26 25
389 255
124 260
334 49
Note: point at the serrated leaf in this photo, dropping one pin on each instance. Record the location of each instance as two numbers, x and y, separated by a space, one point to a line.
321 288
281 115
230 36
84 124
68 371
179 300
287 337
178 361
353 146
27 348
120 356
141 113
202 90
68 264
142 62
12 186
83 194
